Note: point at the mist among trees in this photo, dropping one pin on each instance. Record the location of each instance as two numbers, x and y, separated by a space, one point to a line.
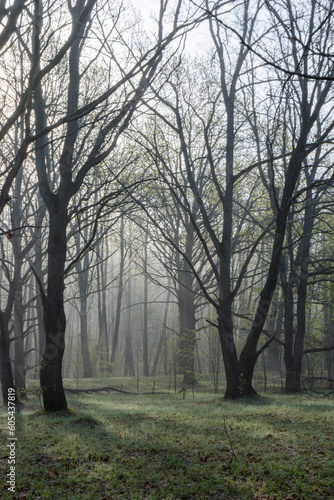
166 249
166 194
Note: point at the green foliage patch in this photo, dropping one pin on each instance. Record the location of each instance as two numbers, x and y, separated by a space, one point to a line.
163 447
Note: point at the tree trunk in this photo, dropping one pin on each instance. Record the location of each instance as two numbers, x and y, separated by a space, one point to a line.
39 303
87 370
54 315
275 325
237 385
329 334
19 251
187 338
187 310
248 356
83 281
7 381
129 366
162 339
145 321
19 351
119 296
102 320
287 287
294 344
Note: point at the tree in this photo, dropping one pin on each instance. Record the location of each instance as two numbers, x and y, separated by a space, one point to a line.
224 213
119 293
310 99
84 146
20 29
165 213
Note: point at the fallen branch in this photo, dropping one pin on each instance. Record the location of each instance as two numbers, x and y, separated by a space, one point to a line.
315 379
98 390
108 389
326 394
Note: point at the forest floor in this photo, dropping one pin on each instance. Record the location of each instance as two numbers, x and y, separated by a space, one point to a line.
161 446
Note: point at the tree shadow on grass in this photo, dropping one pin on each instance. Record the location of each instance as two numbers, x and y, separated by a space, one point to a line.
132 456
121 448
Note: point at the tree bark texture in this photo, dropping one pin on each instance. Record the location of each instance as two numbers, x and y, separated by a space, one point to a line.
54 314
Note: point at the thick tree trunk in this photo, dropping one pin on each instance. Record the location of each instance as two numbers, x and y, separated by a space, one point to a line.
54 315
238 381
187 311
293 378
187 338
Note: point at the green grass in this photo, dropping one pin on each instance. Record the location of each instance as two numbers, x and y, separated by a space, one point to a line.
163 447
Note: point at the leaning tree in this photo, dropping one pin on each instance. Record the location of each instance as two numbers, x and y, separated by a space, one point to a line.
298 74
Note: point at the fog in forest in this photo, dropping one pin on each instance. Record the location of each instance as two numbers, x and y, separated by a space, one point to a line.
166 249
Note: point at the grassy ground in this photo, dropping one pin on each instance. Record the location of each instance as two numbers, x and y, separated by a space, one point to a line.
161 446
